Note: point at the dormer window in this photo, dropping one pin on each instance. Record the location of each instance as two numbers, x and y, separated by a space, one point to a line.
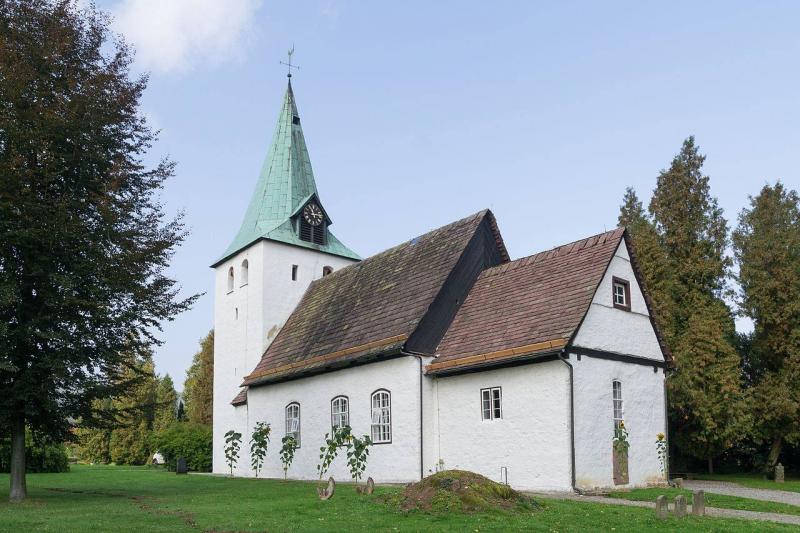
312 224
621 295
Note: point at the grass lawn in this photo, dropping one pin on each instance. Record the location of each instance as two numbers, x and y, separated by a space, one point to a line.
712 500
142 499
755 481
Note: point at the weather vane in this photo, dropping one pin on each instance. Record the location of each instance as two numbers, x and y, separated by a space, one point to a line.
289 63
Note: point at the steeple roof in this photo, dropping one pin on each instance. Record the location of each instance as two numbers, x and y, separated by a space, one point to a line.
285 184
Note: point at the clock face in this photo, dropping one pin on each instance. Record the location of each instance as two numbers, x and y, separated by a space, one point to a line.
313 214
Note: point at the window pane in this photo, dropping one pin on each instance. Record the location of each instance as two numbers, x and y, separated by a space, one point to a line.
496 403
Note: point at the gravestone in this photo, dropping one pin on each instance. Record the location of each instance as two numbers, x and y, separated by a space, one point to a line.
680 506
699 503
779 473
678 482
327 492
662 509
180 466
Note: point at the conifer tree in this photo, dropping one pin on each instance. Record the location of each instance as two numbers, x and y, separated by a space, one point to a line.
652 260
166 409
198 389
86 241
681 248
135 411
767 249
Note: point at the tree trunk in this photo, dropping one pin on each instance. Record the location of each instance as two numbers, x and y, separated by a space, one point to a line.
19 491
710 465
774 454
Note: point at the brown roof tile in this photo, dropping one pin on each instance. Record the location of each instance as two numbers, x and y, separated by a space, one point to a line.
529 302
241 398
368 308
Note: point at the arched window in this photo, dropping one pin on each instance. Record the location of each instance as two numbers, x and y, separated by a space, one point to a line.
326 270
616 394
293 421
340 412
230 279
381 416
245 268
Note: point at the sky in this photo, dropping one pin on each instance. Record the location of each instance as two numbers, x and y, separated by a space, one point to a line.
420 113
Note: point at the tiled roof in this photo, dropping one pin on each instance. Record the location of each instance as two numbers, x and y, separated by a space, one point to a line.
368 308
533 304
240 398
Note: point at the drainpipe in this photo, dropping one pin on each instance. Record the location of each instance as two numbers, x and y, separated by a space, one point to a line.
563 358
421 451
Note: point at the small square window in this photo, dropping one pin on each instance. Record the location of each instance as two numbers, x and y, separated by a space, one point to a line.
491 403
621 295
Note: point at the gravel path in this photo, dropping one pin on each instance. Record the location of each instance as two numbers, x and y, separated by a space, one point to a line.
733 489
710 511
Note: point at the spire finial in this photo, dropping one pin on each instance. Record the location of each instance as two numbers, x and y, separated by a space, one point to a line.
289 63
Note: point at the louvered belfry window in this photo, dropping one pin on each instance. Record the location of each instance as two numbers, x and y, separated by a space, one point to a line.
309 233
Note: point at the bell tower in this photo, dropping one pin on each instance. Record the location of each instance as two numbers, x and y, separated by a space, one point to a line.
284 243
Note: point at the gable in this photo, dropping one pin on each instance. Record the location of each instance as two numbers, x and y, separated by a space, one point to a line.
372 308
615 330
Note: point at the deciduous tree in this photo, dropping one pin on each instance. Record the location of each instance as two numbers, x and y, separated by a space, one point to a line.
85 240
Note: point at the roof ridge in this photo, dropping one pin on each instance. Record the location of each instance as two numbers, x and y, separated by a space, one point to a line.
556 251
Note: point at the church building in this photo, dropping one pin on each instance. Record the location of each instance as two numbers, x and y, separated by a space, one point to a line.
443 350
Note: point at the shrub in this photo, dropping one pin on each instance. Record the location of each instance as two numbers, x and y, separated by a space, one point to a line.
187 439
40 456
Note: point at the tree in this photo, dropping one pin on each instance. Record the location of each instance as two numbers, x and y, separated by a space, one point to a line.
198 389
767 248
166 409
680 248
85 240
652 260
135 412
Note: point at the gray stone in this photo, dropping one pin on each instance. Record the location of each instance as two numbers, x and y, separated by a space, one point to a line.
678 482
779 473
680 506
662 510
699 503
180 466
327 492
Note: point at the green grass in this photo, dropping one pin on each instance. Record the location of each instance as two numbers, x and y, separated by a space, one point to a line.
142 500
755 481
712 500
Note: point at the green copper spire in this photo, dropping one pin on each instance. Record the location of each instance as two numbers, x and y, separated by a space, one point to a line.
285 185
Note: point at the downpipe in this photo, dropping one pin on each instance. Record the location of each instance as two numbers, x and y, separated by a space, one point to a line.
421 449
562 356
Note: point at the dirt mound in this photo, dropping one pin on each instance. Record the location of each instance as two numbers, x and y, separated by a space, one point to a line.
460 491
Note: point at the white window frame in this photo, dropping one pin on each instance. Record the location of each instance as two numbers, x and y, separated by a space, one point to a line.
340 412
293 421
492 403
618 411
619 292
381 419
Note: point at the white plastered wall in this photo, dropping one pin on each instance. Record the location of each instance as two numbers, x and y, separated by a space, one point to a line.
624 332
395 462
614 330
532 439
247 319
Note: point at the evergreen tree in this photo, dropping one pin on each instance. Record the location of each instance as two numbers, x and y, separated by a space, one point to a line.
680 248
136 413
166 412
85 240
198 389
652 260
767 249
94 443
